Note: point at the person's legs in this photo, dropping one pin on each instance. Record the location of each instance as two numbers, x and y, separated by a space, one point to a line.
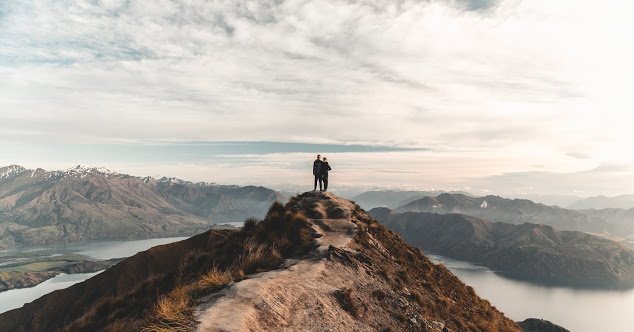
321 181
315 187
325 178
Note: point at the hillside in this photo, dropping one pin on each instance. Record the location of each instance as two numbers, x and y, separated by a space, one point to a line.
533 252
514 211
40 207
319 263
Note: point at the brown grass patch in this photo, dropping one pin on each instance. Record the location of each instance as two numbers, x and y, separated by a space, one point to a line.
259 246
216 278
172 312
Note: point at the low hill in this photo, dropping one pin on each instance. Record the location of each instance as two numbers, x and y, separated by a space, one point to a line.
319 263
535 252
40 207
391 198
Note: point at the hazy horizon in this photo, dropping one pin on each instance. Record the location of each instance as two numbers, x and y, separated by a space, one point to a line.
349 191
507 97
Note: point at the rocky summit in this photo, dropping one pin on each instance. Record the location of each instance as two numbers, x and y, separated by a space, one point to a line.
317 263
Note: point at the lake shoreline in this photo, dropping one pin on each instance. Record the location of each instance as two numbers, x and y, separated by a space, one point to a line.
90 256
18 278
577 309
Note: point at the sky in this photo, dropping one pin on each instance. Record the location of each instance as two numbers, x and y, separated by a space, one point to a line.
507 97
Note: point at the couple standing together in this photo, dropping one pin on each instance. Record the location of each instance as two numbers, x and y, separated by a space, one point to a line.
320 171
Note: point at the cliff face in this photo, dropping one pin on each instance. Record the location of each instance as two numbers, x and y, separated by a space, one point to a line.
534 252
40 207
319 263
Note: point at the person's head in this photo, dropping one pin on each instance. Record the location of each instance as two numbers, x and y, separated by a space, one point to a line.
325 159
318 156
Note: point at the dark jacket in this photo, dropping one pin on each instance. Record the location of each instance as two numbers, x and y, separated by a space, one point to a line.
325 168
317 166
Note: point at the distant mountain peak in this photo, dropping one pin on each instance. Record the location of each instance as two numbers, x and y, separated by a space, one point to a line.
79 169
172 180
10 171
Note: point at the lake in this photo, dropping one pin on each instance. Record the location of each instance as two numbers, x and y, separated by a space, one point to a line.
579 310
16 298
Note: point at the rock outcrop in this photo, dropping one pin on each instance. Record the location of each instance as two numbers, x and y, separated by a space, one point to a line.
540 325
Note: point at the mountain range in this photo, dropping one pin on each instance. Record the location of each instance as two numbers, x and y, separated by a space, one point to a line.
618 222
534 252
391 198
81 203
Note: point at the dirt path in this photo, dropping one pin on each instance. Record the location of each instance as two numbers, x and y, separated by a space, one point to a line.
283 293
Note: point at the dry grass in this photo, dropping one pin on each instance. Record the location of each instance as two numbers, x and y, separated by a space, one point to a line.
257 257
216 278
259 246
172 312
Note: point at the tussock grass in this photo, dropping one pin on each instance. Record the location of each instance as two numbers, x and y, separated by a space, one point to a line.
257 257
216 278
172 312
259 246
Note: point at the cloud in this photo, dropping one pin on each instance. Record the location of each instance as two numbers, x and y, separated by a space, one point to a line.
504 83
606 179
578 155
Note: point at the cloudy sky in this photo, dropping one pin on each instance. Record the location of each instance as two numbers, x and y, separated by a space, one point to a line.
509 97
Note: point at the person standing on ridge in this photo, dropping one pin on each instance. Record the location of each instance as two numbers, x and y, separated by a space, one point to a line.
317 164
324 172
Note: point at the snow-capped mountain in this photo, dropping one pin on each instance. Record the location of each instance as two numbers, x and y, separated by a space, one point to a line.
80 203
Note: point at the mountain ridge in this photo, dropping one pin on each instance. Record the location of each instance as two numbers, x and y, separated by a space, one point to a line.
515 211
84 203
394 198
330 266
534 252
